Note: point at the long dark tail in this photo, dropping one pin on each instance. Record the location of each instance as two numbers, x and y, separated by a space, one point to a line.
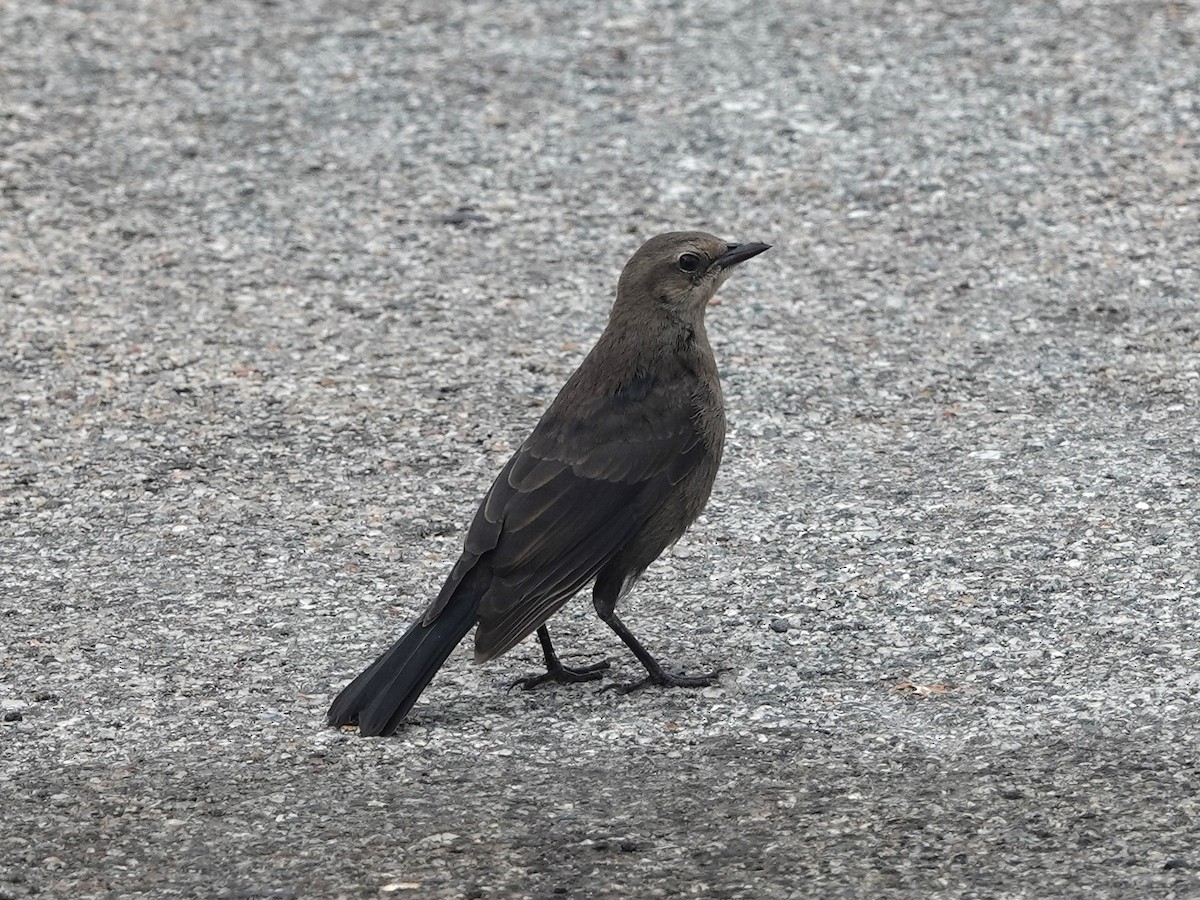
380 698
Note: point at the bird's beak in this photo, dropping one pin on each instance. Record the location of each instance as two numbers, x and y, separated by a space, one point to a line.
738 253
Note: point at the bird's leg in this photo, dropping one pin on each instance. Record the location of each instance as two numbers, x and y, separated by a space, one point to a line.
656 675
556 671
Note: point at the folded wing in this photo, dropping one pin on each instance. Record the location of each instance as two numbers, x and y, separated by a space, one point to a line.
568 501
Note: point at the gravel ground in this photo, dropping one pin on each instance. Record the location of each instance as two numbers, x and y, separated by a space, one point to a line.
285 283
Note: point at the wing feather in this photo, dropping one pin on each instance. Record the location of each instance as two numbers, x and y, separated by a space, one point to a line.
539 566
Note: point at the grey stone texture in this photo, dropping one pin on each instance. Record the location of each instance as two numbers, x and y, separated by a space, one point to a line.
282 284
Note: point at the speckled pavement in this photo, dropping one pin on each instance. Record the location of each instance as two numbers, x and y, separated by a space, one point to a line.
283 284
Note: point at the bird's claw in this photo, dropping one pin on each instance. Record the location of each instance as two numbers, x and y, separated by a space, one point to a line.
563 675
664 679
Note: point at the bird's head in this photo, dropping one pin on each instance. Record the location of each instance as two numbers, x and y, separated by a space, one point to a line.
680 271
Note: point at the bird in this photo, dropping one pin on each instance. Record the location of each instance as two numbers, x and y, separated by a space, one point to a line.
619 465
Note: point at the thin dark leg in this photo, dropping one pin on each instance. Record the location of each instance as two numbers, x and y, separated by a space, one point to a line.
605 600
556 671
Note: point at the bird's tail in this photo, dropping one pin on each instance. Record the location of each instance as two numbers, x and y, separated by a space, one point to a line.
380 698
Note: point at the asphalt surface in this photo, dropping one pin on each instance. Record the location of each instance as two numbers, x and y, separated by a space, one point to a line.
283 284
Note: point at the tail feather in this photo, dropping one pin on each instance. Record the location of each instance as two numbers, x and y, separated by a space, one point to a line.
380 698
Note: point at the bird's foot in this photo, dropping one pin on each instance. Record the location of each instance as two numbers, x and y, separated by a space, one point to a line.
563 675
660 678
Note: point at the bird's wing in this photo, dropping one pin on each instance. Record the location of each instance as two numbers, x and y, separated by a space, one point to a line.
571 497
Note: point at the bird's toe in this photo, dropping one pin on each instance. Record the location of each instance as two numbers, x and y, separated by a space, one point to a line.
563 675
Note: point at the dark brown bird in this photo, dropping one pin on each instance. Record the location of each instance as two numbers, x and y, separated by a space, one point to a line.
616 470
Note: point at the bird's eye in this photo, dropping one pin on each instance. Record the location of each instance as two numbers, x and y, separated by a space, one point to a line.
690 263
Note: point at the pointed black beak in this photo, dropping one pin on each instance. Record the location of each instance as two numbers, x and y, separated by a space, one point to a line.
738 253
